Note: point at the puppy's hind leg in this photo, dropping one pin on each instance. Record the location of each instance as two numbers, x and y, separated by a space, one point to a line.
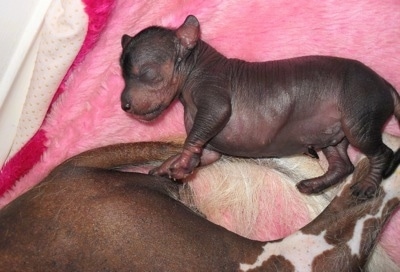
340 167
366 136
396 158
392 165
364 116
380 157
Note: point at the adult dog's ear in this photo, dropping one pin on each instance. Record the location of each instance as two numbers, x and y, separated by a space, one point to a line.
125 40
189 32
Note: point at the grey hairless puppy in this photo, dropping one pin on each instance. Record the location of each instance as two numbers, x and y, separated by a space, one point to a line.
260 109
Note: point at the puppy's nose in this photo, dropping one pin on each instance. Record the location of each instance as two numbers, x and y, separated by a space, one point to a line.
126 106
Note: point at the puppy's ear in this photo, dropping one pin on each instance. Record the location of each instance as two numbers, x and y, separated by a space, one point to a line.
189 32
125 40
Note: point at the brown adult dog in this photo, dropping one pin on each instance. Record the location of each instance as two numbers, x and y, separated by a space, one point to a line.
86 216
261 109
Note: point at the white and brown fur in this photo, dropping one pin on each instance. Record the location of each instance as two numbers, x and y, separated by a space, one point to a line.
339 239
86 216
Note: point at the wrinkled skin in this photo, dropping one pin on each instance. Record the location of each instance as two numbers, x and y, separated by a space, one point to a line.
262 109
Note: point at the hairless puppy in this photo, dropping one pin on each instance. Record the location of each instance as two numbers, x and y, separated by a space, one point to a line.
86 216
262 109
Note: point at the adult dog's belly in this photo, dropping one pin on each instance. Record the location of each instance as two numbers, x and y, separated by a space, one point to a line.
277 138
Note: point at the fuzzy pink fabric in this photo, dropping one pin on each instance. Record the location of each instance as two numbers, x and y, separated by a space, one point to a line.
86 112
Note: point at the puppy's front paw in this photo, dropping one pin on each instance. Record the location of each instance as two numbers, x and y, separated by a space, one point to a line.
184 165
158 171
177 167
164 170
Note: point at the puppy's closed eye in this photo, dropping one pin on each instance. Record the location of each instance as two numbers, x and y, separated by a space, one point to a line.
150 75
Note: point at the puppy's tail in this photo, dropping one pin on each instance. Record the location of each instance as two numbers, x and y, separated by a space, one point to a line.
119 155
395 161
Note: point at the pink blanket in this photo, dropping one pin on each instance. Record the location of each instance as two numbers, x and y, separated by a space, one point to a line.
86 110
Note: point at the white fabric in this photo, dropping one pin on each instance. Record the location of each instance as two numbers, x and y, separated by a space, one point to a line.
61 32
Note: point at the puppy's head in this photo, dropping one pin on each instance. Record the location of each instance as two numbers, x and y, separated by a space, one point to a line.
149 63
